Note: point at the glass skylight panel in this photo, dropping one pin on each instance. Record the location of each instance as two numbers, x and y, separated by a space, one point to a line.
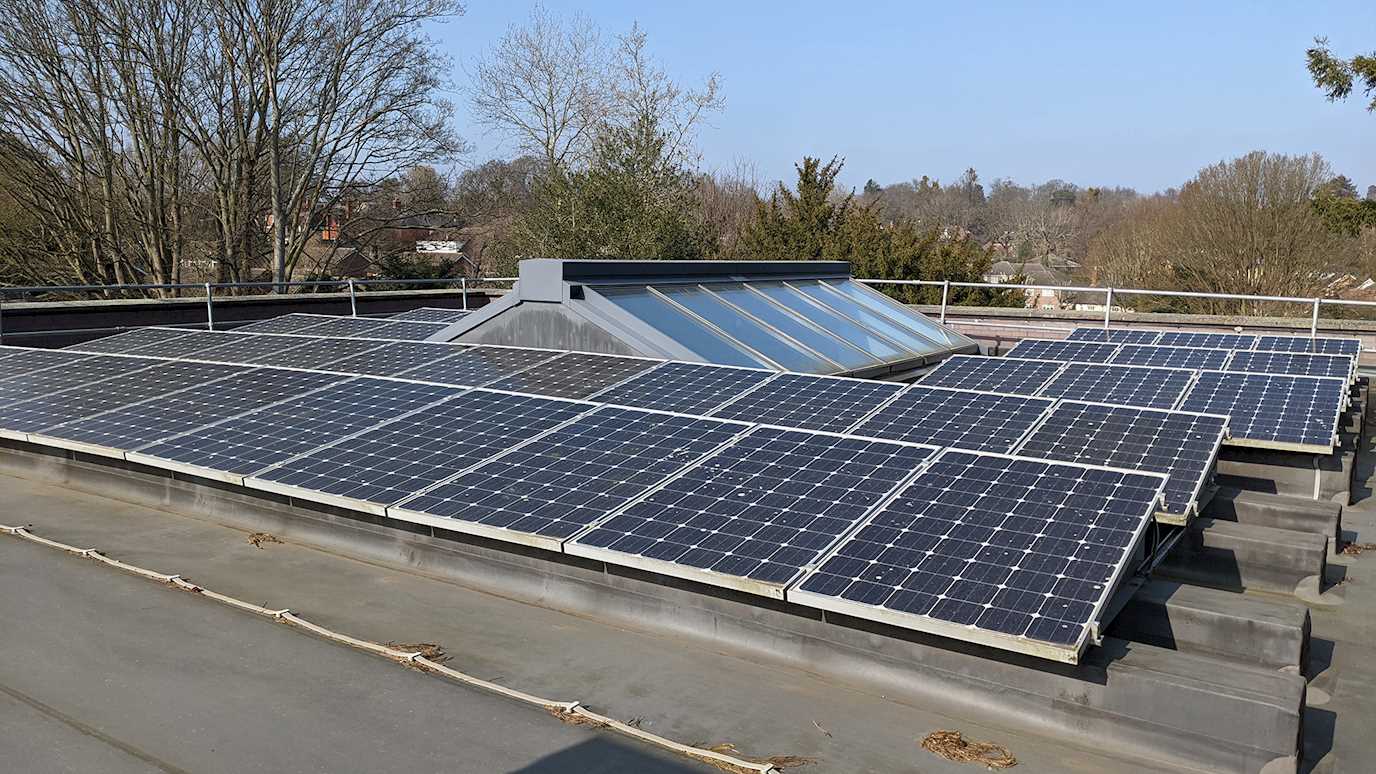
809 334
678 327
899 313
875 341
867 315
787 355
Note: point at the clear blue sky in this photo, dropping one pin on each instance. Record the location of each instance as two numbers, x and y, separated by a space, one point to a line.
1137 94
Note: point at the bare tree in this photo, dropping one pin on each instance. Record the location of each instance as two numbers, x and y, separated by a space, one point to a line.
543 85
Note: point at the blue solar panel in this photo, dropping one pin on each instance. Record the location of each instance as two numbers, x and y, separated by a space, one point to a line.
479 365
993 374
757 513
1115 335
1207 340
687 388
43 373
1193 358
1298 363
1319 345
1182 446
810 402
961 418
130 340
551 488
1120 384
431 315
1015 553
1272 410
287 323
574 375
1066 351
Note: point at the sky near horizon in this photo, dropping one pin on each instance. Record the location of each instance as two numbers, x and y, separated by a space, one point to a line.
1125 94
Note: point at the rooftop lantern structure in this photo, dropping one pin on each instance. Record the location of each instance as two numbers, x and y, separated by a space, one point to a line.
805 316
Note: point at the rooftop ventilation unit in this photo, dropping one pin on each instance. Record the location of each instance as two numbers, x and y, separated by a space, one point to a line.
806 316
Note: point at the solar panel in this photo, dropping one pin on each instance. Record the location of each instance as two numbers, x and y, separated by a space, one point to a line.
33 375
551 488
408 330
480 365
192 345
1010 552
151 378
574 375
687 388
251 442
431 314
1272 410
133 426
1193 358
345 327
961 418
1183 446
1318 345
254 349
390 463
1115 335
300 352
287 323
810 402
1120 384
129 340
1298 363
755 514
1207 340
8 351
1066 351
993 374
394 357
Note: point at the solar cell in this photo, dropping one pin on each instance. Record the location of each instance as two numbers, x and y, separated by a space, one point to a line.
251 442
480 365
1065 351
34 375
431 314
1193 358
394 357
688 388
407 330
551 488
129 340
387 464
810 402
1115 335
1318 345
1010 552
1207 340
135 425
151 378
755 514
1183 446
299 352
1272 410
574 375
1120 384
192 345
961 418
287 323
1298 363
993 374
6 351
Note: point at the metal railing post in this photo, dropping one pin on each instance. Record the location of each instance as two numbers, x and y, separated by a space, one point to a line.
2 318
353 299
209 307
463 285
945 292
1108 306
1314 320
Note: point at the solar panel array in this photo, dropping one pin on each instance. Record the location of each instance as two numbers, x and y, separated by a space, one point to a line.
1298 412
130 341
1318 345
1065 350
1115 335
864 523
287 323
1193 358
1302 364
991 548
